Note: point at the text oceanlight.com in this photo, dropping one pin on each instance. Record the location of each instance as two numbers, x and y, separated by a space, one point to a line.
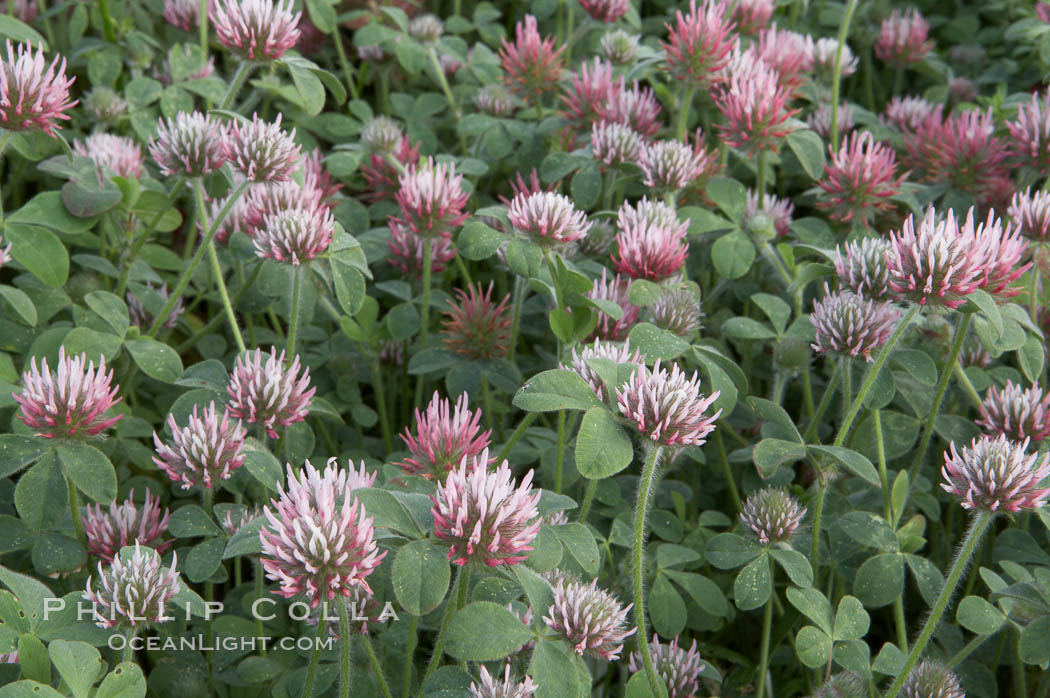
199 643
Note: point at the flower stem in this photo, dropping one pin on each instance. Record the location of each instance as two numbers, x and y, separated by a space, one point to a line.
836 76
203 22
239 77
344 647
293 323
376 667
1033 294
348 71
767 626
964 381
683 119
519 298
425 313
588 499
978 526
384 418
560 456
516 435
259 580
194 262
74 511
450 608
847 384
315 658
490 413
410 650
645 489
107 21
887 511
818 514
825 403
760 181
443 83
727 472
870 376
942 386
216 269
129 653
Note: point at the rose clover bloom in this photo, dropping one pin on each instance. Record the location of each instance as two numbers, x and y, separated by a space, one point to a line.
444 437
203 452
547 218
678 667
849 325
1018 413
996 474
773 515
667 406
269 394
33 95
69 403
133 591
256 30
260 150
190 145
125 524
590 618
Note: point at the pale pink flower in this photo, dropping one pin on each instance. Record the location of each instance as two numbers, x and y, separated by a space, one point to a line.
547 218
590 88
382 134
672 165
5 252
190 145
269 395
614 144
426 28
484 515
319 541
606 10
590 618
295 235
931 679
909 113
780 212
751 16
407 251
824 53
614 288
444 437
121 155
206 450
1018 413
849 325
636 108
34 96
754 103
677 310
938 264
256 30
263 200
105 105
494 688
261 151
1031 133
820 120
667 407
1002 251
652 242
678 668
494 100
531 63
962 150
903 38
317 179
859 180
69 403
242 217
125 524
787 52
236 519
1042 11
699 43
431 199
862 267
617 353
1030 213
619 47
133 592
996 474
772 514
184 14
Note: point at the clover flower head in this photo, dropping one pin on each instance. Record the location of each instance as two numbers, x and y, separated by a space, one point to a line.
548 218
610 351
445 436
256 30
1031 133
619 47
651 243
484 515
206 450
494 100
295 235
677 310
408 251
34 96
493 687
1018 413
903 38
531 64
931 679
635 107
935 262
773 515
779 211
261 151
475 325
319 541
699 43
820 120
1030 213
861 267
125 524
133 592
591 87
824 51
190 144
614 144
121 155
69 403
610 287
996 474
667 407
860 180
590 618
678 667
268 394
849 325
382 134
431 199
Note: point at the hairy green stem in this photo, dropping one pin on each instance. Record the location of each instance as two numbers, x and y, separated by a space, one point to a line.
410 650
443 83
216 269
203 24
107 21
425 313
978 526
384 418
315 658
293 322
516 435
967 650
871 374
818 514
825 403
967 385
560 455
217 320
836 76
74 511
344 646
683 117
727 472
588 499
458 589
519 298
938 396
767 627
259 581
348 71
184 280
239 77
847 384
377 668
887 510
645 489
